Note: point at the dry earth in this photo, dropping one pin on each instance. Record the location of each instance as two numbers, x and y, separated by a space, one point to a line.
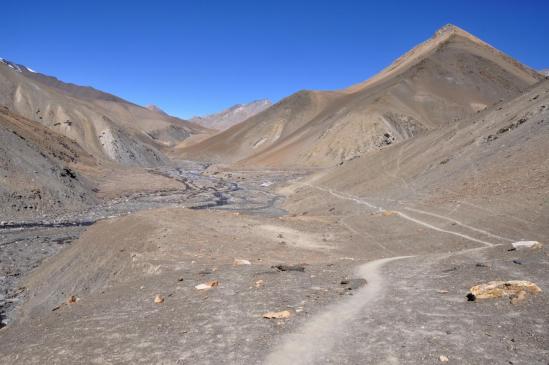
413 309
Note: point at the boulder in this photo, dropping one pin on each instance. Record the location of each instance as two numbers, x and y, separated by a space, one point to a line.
498 289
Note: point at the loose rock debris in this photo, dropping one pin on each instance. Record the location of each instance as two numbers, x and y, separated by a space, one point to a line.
158 299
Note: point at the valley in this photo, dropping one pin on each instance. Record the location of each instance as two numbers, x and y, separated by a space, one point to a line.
403 219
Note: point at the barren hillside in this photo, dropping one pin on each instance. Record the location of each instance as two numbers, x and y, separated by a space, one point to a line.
447 78
103 124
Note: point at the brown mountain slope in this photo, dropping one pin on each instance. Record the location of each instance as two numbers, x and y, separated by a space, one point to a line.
104 125
495 163
449 77
38 169
263 129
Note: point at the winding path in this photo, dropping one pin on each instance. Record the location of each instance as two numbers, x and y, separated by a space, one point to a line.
315 340
317 337
418 221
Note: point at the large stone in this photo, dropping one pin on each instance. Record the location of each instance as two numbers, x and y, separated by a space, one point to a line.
527 244
498 289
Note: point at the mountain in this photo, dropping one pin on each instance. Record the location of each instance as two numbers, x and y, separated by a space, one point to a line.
156 109
494 161
545 72
451 76
233 115
105 125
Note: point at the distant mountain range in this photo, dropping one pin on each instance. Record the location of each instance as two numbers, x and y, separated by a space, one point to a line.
233 115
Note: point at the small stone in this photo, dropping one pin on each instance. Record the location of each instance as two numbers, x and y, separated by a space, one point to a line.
239 262
277 315
300 268
443 358
353 284
210 284
158 299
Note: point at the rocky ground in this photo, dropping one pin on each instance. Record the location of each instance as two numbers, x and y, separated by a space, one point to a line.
26 243
340 283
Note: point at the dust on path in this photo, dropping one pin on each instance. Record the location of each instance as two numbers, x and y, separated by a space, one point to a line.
317 337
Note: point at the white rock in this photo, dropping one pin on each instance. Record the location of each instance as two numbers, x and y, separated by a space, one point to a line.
210 284
527 244
239 262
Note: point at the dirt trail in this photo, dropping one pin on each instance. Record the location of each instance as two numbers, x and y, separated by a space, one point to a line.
423 223
309 344
314 341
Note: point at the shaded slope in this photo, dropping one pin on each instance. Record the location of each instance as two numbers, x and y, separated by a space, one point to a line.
38 170
449 77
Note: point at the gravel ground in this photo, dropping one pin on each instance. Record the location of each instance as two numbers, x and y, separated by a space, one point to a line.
25 244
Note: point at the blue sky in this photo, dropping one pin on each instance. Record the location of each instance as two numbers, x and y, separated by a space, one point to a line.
196 57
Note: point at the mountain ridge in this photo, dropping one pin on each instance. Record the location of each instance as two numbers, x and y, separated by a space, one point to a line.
105 125
233 115
448 77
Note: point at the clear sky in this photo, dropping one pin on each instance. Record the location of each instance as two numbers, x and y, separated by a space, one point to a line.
200 56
